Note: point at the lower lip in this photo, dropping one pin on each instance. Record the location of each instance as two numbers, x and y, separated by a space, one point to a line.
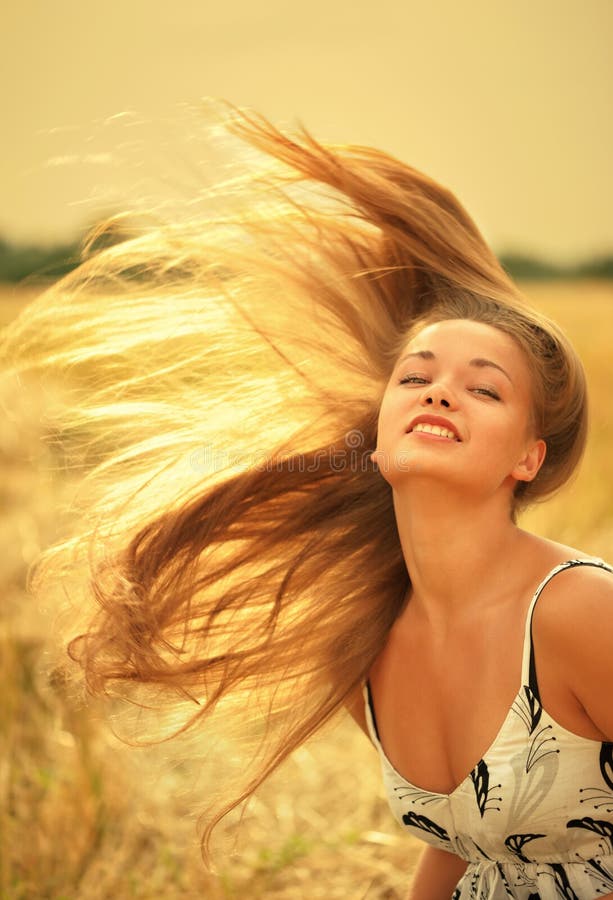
433 437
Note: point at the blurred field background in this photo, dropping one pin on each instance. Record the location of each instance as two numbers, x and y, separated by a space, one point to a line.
83 816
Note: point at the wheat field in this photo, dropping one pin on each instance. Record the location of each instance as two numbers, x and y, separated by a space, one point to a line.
84 816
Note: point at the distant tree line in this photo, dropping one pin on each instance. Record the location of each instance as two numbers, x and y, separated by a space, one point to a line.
35 263
524 265
19 262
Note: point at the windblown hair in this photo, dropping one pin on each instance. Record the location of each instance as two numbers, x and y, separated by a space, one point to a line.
221 377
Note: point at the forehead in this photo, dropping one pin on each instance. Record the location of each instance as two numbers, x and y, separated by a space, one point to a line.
464 337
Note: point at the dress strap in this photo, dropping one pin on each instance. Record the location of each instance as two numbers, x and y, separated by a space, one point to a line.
371 719
528 668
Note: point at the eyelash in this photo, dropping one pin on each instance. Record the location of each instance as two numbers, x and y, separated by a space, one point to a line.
418 379
487 392
412 379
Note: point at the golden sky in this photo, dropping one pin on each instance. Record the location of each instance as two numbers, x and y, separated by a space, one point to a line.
507 102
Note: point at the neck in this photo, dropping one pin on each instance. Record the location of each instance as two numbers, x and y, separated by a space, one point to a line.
457 552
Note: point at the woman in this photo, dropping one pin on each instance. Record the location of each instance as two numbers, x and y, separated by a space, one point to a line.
494 735
227 379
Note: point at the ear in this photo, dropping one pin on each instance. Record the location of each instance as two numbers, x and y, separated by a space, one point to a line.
526 469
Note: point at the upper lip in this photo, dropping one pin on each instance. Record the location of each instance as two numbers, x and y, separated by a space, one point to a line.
434 420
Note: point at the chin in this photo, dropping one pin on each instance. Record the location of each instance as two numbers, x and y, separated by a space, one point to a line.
400 470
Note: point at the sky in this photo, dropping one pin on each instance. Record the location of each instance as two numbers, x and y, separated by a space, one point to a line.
509 104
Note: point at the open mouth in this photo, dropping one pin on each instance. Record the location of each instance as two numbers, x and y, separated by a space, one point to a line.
437 430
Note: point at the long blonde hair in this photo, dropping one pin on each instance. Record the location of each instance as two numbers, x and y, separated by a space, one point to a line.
221 379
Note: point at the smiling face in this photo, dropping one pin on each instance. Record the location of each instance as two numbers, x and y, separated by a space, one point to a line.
458 408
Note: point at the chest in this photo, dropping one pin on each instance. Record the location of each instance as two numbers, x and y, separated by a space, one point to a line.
440 701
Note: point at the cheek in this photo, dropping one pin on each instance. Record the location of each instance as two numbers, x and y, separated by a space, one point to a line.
506 442
389 418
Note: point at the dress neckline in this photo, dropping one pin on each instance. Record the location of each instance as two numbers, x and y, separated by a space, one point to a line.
374 732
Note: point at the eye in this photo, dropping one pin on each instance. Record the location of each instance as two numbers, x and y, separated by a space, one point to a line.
486 392
413 379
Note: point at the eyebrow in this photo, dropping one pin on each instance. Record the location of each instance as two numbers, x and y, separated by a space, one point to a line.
479 361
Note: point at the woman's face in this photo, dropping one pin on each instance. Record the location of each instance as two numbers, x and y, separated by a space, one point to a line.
458 407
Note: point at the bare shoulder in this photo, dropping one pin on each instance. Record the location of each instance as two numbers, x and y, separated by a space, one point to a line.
575 601
577 596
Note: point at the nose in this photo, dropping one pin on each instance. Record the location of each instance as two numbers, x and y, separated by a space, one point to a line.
437 395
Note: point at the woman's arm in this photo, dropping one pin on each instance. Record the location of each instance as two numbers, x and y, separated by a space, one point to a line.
577 631
436 875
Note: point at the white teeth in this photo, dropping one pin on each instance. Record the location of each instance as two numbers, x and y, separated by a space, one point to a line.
435 429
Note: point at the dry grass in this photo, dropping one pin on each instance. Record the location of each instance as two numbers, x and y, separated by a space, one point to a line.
82 816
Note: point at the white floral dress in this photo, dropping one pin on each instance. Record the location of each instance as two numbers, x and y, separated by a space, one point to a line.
534 819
